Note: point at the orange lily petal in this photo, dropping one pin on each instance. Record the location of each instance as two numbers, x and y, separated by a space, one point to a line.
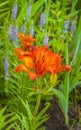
32 75
21 35
67 67
20 68
28 62
19 52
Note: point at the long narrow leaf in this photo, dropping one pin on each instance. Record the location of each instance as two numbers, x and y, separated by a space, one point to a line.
26 106
62 99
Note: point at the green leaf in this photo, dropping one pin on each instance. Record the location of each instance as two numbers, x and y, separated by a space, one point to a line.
36 6
4 3
10 127
24 121
3 9
27 107
41 117
75 46
43 111
62 100
75 82
6 119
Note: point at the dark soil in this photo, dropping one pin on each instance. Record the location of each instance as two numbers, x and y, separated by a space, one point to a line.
56 121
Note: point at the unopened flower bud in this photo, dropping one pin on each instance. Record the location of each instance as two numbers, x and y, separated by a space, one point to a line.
53 78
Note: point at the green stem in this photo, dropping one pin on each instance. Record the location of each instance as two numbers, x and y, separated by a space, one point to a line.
38 97
67 83
66 120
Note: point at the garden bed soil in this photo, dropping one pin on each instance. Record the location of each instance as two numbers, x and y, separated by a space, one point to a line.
56 121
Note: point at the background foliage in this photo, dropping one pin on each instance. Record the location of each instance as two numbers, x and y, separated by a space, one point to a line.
60 26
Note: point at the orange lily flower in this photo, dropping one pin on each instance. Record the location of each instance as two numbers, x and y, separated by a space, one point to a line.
41 61
26 40
20 53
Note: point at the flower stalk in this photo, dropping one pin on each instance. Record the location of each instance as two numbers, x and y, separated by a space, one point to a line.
38 102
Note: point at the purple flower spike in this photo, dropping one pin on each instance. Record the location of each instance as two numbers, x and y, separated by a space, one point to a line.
42 20
28 11
10 32
32 31
14 11
46 39
15 32
23 28
72 29
66 26
6 65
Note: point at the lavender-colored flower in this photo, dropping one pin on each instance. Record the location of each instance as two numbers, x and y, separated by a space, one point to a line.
72 29
46 39
10 32
14 11
32 31
15 32
66 26
6 65
28 11
23 28
42 20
